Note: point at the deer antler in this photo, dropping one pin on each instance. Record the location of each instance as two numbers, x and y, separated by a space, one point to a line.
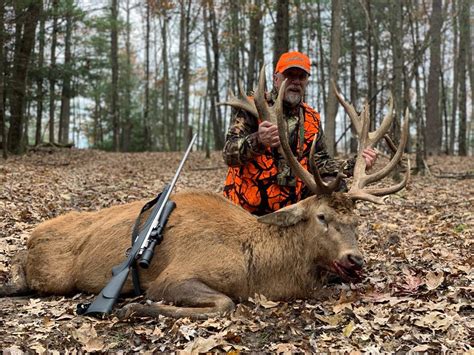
368 139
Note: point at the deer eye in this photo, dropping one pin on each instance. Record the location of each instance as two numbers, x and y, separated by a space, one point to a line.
322 219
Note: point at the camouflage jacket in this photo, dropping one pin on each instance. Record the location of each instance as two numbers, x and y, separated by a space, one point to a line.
242 145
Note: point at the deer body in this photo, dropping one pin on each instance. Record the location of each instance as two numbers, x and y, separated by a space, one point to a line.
210 248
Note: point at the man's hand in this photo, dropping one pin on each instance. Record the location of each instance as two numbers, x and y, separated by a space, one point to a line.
268 134
370 156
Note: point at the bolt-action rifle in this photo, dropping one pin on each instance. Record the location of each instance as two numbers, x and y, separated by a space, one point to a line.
144 243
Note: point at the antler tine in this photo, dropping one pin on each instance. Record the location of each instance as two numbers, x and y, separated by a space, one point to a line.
244 103
285 150
361 179
351 111
260 101
396 157
384 126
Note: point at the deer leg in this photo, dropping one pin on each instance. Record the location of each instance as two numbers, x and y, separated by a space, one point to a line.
193 299
17 284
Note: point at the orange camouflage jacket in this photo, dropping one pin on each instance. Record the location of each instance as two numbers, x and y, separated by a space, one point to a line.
258 178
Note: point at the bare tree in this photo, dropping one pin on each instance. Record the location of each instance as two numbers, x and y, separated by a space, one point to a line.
396 36
52 69
66 93
115 69
433 115
2 83
282 27
454 102
39 81
330 128
256 42
27 16
464 43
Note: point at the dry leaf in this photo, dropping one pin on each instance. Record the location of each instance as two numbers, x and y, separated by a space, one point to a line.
434 280
348 329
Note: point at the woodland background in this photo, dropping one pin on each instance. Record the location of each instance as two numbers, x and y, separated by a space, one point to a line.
130 75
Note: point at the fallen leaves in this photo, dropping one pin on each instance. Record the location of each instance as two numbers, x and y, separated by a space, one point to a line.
416 296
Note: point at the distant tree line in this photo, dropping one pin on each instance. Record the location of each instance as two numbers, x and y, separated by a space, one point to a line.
136 75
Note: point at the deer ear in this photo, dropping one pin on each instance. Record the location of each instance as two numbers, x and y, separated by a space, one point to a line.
287 216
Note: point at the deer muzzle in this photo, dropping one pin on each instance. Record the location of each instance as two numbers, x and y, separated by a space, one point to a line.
349 266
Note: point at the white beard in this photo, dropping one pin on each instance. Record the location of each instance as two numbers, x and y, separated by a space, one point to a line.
292 98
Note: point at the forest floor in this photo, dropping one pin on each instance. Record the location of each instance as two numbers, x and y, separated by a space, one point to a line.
416 294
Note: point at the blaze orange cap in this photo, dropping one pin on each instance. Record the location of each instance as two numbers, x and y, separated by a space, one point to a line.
293 60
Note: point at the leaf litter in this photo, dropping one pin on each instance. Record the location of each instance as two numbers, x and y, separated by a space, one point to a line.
416 294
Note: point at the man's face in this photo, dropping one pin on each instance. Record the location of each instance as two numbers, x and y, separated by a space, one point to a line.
295 87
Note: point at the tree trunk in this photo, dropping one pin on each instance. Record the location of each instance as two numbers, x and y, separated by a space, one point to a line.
282 26
464 43
234 62
52 70
114 64
254 37
184 67
127 121
2 81
454 104
218 131
417 57
330 128
166 83
370 89
66 94
29 19
322 62
39 81
354 142
433 116
300 25
396 31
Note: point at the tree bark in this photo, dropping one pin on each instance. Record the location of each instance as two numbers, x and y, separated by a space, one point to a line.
184 67
255 29
454 103
114 64
434 127
330 128
464 43
353 85
321 59
2 81
52 70
29 19
300 25
218 132
40 79
127 121
166 83
66 94
282 27
396 31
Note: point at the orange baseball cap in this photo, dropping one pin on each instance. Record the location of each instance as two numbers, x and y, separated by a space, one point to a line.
293 60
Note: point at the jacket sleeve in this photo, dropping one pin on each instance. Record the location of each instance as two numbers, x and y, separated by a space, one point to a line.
241 143
327 165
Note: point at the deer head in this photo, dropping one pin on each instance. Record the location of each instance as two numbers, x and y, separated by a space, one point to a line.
329 213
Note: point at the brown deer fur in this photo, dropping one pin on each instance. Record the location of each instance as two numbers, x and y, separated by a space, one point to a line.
213 252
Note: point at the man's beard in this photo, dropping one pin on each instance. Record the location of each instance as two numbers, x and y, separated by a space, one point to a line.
292 98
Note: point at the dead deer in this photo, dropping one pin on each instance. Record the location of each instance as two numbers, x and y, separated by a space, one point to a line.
214 253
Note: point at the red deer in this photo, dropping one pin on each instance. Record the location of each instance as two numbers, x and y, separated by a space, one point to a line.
215 253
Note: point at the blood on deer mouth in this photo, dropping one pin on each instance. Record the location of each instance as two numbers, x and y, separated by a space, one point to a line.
352 274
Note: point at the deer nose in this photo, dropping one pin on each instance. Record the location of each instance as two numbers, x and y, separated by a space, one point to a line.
355 260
